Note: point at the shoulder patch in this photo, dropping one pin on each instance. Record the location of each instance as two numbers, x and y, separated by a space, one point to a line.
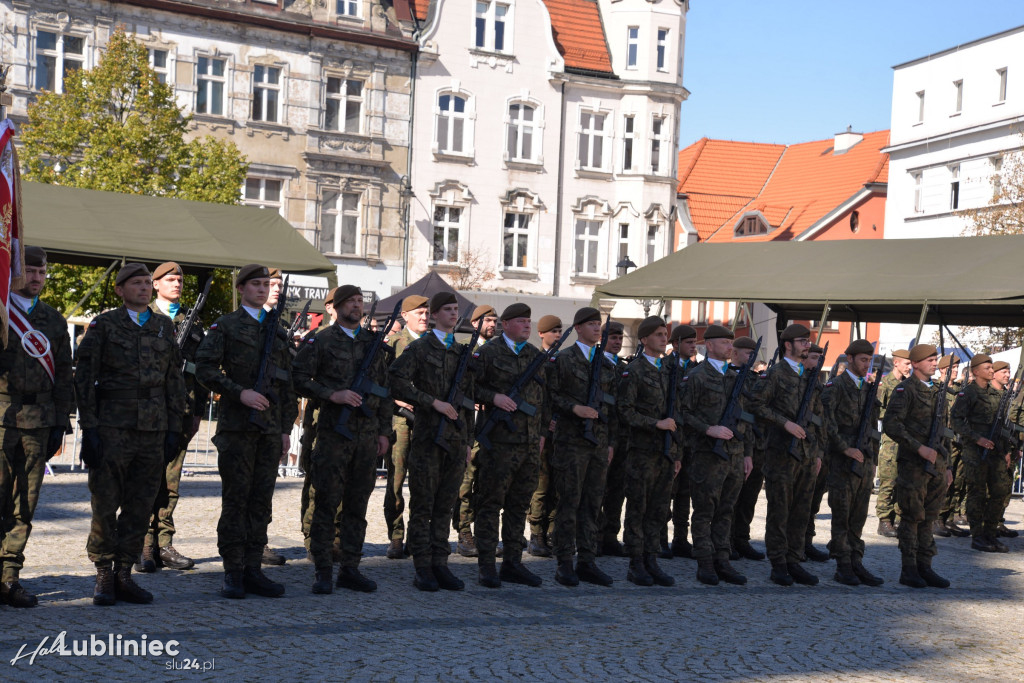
93 323
828 383
213 326
626 373
960 393
686 378
900 388
763 375
476 354
311 340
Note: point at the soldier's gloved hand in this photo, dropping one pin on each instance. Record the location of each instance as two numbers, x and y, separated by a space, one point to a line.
171 446
54 441
92 447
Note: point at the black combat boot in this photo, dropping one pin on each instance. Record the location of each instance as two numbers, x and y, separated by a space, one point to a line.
255 581
146 563
272 557
813 554
566 574
801 575
538 546
929 576
885 528
747 551
1004 531
726 573
425 580
954 529
659 576
488 575
845 574
591 573
780 574
105 592
939 529
637 572
14 595
467 544
682 548
127 589
866 577
395 551
322 582
983 543
352 578
909 575
997 544
706 573
172 559
516 572
233 586
447 580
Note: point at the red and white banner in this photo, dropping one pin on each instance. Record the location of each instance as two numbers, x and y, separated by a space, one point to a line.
35 343
12 260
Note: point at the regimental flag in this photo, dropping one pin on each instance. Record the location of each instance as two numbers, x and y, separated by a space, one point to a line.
12 259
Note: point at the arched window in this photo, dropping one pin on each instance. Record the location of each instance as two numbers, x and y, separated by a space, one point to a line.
523 141
451 124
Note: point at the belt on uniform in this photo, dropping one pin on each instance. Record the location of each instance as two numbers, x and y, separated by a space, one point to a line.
28 399
131 394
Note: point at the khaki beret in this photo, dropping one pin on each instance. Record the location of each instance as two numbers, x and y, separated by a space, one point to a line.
649 326
859 346
794 331
35 256
718 332
516 310
743 343
1000 365
130 270
250 272
344 292
483 312
979 359
946 360
585 315
921 351
815 349
275 274
442 299
414 301
167 268
329 299
548 323
615 327
901 353
681 333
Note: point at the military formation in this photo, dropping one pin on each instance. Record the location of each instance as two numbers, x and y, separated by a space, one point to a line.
485 433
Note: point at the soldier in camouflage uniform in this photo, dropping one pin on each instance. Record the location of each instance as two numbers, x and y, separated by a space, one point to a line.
416 317
545 498
578 464
248 452
610 520
131 398
946 525
885 502
343 469
684 347
746 502
919 493
1004 382
35 407
821 481
423 376
158 550
851 470
789 478
507 470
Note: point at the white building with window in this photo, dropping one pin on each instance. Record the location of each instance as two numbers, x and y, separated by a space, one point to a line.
544 136
956 114
317 96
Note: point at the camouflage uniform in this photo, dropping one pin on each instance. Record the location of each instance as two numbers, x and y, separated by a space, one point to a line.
32 407
610 521
464 513
956 494
680 513
227 363
129 385
746 502
545 499
343 471
394 498
425 372
885 502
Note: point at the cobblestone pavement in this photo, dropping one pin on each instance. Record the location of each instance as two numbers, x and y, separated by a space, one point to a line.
688 632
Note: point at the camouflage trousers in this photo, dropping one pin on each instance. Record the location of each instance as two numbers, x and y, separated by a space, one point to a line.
464 513
789 487
434 478
123 489
956 494
820 487
849 497
746 503
344 473
885 503
919 496
506 478
578 475
714 487
394 497
989 482
648 496
545 498
307 498
680 516
22 465
247 462
610 520
161 522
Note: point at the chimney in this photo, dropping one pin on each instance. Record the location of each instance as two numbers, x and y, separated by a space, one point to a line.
845 140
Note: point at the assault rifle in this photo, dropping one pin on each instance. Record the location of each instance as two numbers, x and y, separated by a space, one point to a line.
732 414
187 325
456 397
636 354
595 395
268 371
865 432
1002 424
297 323
362 384
496 415
804 415
671 437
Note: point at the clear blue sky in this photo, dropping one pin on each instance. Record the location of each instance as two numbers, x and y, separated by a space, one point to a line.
797 70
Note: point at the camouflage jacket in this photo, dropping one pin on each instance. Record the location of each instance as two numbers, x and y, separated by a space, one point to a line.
28 399
705 394
908 417
642 401
568 382
973 412
496 369
228 362
327 362
843 401
198 397
129 376
885 389
776 400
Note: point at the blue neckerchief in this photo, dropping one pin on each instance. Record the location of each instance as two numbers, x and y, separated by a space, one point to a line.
448 339
518 346
31 308
172 310
718 365
262 315
351 333
656 362
139 318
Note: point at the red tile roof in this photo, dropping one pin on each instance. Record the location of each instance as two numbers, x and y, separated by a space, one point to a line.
420 8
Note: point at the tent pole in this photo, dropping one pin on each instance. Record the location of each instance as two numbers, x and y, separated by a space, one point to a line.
821 324
661 307
920 323
234 290
736 316
92 289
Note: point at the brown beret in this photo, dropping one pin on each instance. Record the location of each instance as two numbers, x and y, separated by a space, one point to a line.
35 256
442 299
344 292
130 270
615 327
681 333
414 301
1000 365
921 351
946 360
743 343
548 323
585 315
901 353
859 346
250 272
483 312
167 268
275 274
718 332
815 349
329 299
979 359
794 331
516 310
649 326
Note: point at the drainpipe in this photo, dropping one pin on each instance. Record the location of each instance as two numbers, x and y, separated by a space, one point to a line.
558 198
407 218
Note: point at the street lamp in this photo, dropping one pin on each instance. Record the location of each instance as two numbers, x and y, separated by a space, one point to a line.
622 268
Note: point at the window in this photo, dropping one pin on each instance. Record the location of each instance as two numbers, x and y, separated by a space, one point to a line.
344 105
751 225
210 86
158 62
954 187
702 312
657 133
662 48
958 88
262 192
591 153
446 233
266 92
348 8
588 237
918 208
520 145
516 240
451 124
623 241
628 137
57 55
490 25
997 176
339 223
632 46
920 106
1001 74
652 242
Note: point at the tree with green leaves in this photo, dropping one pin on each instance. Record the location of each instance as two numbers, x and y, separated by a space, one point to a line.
118 128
